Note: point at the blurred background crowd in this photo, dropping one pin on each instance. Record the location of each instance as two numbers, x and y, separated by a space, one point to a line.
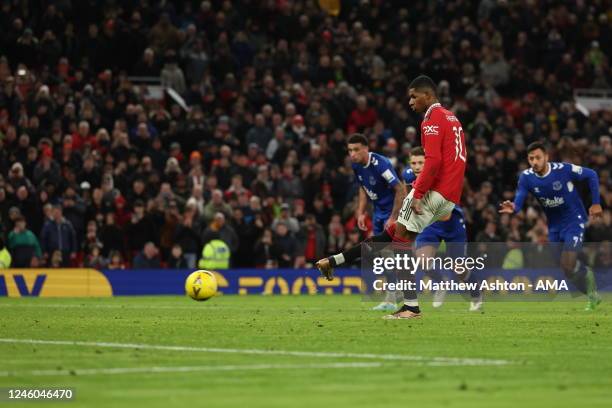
96 171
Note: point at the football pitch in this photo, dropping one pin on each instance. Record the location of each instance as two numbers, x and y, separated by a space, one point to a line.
305 351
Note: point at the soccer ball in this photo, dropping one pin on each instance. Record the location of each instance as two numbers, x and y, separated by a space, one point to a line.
201 285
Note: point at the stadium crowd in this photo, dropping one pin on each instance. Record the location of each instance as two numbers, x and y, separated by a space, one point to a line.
96 171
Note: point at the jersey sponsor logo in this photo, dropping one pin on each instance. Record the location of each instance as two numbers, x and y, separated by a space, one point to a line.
551 202
430 130
576 169
557 185
388 175
373 196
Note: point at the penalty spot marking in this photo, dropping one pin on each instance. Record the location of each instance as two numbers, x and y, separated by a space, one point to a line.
437 361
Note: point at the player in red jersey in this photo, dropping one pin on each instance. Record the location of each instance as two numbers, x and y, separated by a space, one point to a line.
436 190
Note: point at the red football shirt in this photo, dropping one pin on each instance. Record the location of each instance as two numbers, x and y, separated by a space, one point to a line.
443 140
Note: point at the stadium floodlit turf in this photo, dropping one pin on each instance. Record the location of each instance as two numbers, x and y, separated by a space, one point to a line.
294 351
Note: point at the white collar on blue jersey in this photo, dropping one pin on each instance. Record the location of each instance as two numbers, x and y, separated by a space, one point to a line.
369 160
432 107
547 171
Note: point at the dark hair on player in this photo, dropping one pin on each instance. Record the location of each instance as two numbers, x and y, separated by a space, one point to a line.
423 82
417 151
357 138
535 146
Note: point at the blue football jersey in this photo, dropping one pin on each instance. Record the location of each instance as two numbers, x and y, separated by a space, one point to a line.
557 193
378 179
408 175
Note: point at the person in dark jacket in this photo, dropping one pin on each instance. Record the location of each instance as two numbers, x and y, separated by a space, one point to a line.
148 258
74 212
266 251
112 237
177 259
140 229
312 240
58 235
287 244
187 238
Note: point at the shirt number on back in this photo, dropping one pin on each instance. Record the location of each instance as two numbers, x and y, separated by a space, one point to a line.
459 148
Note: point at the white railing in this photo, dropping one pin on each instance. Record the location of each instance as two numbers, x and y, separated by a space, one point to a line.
589 100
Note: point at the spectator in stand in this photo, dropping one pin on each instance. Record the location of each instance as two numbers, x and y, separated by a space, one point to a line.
285 217
94 258
187 236
23 245
27 203
287 245
236 188
148 65
362 117
5 256
18 179
177 259
74 212
219 229
259 134
336 237
171 74
115 260
112 237
91 237
164 35
148 258
312 240
489 235
266 251
290 186
216 205
58 235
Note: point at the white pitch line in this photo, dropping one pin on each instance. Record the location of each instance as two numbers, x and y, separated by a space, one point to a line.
322 354
186 369
194 307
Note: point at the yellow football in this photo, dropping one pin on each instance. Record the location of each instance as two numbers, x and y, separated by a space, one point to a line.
201 285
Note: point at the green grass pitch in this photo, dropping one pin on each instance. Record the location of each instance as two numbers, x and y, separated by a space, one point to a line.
305 351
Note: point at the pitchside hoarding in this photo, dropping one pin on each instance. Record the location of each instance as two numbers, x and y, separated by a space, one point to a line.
501 271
